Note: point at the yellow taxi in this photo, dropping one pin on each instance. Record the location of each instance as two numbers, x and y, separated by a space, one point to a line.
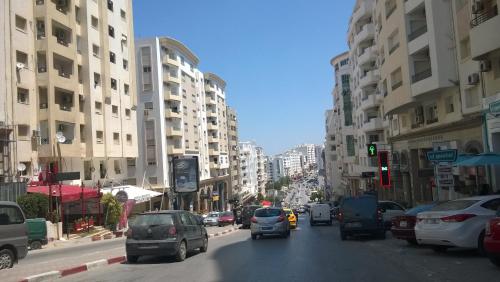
291 218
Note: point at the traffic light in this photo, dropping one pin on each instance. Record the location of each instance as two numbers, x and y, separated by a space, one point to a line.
372 150
384 170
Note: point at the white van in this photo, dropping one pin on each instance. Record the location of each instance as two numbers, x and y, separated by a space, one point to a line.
320 213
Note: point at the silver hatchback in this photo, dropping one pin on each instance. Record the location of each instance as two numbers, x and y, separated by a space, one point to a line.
269 221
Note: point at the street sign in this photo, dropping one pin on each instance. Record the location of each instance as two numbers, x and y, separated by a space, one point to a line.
442 155
372 150
121 196
62 176
495 107
384 170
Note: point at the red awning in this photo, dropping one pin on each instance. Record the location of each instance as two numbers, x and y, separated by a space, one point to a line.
70 193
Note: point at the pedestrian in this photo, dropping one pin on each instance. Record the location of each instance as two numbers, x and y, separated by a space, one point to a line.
234 215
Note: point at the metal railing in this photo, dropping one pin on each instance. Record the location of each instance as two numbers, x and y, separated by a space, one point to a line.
484 15
417 32
421 75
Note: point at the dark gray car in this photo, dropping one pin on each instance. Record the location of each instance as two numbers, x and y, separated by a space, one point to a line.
165 233
13 234
360 215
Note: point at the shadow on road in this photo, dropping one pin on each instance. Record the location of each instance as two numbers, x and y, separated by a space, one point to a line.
160 259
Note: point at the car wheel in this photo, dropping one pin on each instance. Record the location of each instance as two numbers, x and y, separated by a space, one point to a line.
439 249
412 241
35 245
204 248
480 244
495 260
6 258
254 236
132 259
181 253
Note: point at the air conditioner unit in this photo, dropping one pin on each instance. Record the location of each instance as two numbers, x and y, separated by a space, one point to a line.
485 66
473 79
477 7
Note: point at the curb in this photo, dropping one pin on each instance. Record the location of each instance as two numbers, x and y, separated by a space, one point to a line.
53 275
223 232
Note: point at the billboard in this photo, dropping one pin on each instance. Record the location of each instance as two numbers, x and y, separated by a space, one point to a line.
186 175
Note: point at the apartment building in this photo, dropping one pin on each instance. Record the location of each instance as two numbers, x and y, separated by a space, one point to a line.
234 154
369 120
261 171
275 170
292 163
18 93
308 151
248 165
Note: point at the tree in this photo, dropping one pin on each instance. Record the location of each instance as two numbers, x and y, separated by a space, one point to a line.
34 205
317 196
112 209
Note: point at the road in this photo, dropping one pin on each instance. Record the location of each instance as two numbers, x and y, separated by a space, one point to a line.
310 254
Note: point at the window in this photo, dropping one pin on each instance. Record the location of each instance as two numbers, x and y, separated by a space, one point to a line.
127 113
492 205
118 169
393 42
116 138
123 14
130 162
465 48
390 6
431 113
98 137
94 22
97 79
350 145
22 58
113 84
126 89
150 142
496 67
125 64
23 96
110 5
449 105
21 23
82 133
78 44
147 83
396 79
153 180
23 130
111 31
98 108
87 170
112 57
77 14
95 50
10 215
129 139
114 110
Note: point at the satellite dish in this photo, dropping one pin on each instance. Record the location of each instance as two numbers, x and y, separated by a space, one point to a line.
59 134
60 137
21 167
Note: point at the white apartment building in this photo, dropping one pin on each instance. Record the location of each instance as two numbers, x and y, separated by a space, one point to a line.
276 168
292 162
249 166
309 152
261 171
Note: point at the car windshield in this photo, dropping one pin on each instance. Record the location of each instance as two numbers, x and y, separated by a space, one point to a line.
213 215
267 212
454 205
153 219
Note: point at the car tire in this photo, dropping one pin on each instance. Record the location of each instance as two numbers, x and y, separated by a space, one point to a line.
254 236
132 259
204 247
440 249
480 244
7 259
495 260
181 252
35 245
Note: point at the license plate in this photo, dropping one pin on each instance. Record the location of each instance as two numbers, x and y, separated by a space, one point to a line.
403 224
266 228
148 246
353 224
432 221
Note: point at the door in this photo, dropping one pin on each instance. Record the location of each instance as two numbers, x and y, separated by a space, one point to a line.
187 227
13 230
197 231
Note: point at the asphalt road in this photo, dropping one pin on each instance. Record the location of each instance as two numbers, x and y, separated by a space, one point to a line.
310 254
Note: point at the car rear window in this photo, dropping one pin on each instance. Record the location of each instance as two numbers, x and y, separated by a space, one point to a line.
267 212
365 206
213 215
153 219
454 205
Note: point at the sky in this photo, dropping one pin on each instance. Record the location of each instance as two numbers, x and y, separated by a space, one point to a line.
273 54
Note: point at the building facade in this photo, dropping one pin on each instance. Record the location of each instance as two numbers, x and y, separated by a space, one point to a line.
261 171
248 165
234 153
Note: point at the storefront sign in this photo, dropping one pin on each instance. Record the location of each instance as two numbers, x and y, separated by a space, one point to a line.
442 155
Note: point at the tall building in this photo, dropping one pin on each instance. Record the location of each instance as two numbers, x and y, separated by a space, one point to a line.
292 162
261 171
18 92
249 166
234 153
309 153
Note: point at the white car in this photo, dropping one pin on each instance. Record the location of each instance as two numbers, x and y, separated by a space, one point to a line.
212 219
459 223
389 211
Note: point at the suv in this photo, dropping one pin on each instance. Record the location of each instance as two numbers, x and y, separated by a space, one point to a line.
13 234
165 233
360 215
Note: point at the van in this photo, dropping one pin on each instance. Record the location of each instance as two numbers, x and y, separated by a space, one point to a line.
320 213
360 215
13 234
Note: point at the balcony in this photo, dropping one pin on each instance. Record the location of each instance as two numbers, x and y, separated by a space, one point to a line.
212 114
374 124
371 101
213 152
210 100
172 96
63 66
171 77
64 100
421 75
210 87
213 139
364 10
172 113
366 33
417 32
369 78
483 16
368 55
174 150
173 131
212 126
170 59
484 35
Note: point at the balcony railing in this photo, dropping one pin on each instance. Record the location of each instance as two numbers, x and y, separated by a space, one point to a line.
65 107
484 15
421 75
433 120
417 32
396 46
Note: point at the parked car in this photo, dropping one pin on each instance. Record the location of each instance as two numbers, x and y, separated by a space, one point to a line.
360 215
403 226
37 233
212 219
458 223
492 239
13 234
269 221
246 214
292 218
389 211
226 218
169 232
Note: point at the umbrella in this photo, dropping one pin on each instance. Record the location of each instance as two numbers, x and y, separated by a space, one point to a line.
480 160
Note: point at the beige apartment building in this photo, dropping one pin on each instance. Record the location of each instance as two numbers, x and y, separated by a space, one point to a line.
73 72
261 171
234 154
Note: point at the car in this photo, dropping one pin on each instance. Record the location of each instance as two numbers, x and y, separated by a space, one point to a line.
320 213
13 234
389 210
458 223
226 218
403 226
212 219
269 221
492 239
246 214
165 233
360 215
292 218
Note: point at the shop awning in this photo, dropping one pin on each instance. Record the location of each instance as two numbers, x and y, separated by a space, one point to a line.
138 194
70 193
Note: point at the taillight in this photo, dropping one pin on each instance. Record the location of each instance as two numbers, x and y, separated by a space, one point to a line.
172 231
253 219
340 216
281 218
457 217
129 233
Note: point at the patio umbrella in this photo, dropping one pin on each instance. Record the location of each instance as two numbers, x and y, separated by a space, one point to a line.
480 160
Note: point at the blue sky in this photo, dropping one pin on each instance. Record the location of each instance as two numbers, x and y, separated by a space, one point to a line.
273 54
